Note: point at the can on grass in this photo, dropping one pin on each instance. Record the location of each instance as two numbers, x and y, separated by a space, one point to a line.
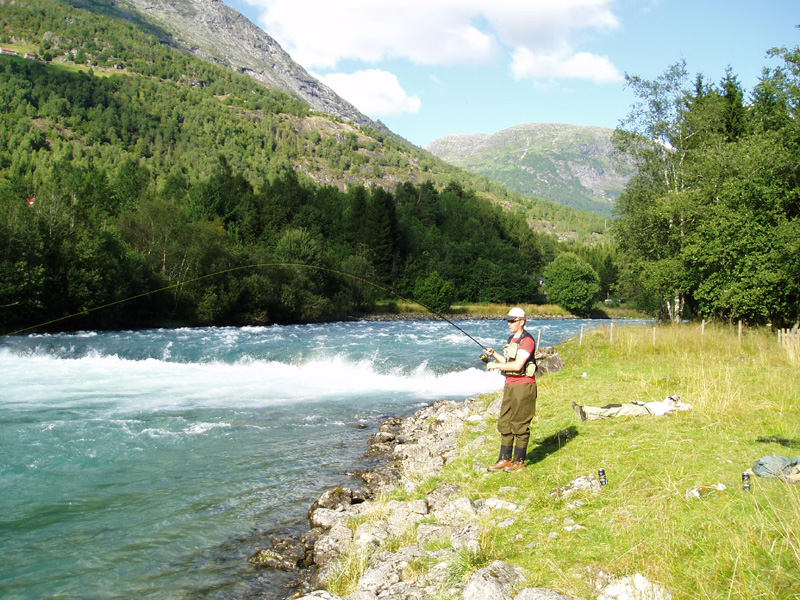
601 474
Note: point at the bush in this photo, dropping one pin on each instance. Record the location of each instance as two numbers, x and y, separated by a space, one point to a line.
573 284
435 292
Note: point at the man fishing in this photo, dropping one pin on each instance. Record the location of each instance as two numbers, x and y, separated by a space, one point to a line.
518 364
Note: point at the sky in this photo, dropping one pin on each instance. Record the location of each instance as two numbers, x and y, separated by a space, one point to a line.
432 68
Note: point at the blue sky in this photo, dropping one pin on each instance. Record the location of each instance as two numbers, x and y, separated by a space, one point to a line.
431 68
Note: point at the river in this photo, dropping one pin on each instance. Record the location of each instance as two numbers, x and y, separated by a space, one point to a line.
151 464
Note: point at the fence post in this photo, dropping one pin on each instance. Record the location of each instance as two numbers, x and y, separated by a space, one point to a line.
539 340
654 337
612 333
740 331
580 342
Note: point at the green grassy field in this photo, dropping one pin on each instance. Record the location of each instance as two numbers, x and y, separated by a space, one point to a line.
733 543
532 310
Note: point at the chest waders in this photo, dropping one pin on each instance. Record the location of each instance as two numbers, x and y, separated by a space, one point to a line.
510 353
512 400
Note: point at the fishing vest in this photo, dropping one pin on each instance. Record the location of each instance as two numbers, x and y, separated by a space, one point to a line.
510 353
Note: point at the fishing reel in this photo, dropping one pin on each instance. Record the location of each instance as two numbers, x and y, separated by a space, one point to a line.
485 358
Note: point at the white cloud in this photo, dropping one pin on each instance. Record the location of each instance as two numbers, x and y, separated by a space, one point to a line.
374 92
537 33
581 65
319 35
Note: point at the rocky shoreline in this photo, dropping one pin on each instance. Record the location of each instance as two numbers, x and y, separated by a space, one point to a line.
356 531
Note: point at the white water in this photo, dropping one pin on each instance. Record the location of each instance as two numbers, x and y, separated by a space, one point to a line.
152 464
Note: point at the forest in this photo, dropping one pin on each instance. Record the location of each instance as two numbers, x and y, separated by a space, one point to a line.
128 167
710 225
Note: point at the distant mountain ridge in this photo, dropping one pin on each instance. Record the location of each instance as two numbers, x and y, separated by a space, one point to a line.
218 33
569 164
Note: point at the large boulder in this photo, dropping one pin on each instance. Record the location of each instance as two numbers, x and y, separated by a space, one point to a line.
494 582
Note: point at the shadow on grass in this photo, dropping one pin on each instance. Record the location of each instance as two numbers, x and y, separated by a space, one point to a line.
776 440
552 443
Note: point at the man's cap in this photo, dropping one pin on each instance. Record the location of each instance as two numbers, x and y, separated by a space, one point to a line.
517 313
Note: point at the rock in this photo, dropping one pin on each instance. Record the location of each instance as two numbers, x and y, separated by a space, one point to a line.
540 594
442 495
380 449
407 513
457 511
586 483
634 588
382 437
379 479
438 575
506 523
549 364
467 537
371 535
494 504
362 595
272 560
386 570
321 595
336 499
403 590
493 582
433 532
494 407
329 546
325 518
286 554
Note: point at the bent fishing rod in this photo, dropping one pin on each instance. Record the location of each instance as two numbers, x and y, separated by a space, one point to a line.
254 266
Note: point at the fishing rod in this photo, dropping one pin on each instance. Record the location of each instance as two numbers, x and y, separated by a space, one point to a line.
254 266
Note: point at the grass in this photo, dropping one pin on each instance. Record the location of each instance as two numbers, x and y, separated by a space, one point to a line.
730 544
493 309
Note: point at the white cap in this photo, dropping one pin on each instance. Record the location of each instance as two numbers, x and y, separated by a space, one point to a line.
517 313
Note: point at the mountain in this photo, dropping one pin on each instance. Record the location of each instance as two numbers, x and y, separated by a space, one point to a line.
568 164
209 49
218 33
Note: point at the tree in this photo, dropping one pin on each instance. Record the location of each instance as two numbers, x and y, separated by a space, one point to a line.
434 292
706 224
655 211
572 284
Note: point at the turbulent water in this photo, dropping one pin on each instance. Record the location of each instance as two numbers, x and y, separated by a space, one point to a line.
151 464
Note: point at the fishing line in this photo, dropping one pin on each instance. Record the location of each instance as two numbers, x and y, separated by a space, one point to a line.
255 266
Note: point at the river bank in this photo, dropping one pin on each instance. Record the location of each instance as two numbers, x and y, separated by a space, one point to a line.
415 449
672 519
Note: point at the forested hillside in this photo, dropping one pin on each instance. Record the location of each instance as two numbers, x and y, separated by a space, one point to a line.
126 166
569 164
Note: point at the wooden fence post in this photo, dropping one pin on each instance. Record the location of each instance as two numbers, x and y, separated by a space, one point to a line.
580 342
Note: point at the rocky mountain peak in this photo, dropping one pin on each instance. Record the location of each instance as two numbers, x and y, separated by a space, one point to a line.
219 33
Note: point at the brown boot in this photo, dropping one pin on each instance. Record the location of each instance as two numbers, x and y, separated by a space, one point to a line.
519 460
503 461
515 466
